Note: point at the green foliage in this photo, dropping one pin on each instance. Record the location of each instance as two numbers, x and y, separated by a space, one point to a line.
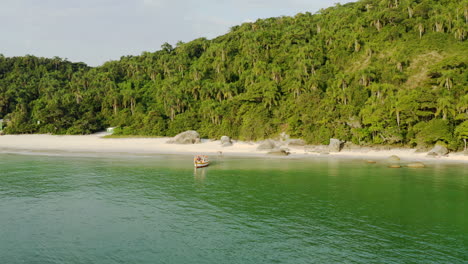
462 133
429 133
370 72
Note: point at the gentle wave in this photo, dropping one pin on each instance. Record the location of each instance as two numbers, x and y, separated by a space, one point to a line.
147 209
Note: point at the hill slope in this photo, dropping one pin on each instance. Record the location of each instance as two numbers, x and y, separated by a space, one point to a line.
371 72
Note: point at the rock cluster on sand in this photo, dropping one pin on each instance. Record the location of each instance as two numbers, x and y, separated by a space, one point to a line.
438 151
274 147
335 145
281 152
268 145
282 143
226 141
187 137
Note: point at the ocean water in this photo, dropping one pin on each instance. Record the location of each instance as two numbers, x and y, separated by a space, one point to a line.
158 209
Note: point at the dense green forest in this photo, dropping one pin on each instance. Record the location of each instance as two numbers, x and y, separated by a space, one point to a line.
369 72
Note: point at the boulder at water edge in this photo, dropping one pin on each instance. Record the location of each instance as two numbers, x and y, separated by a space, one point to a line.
416 165
226 141
187 137
438 150
267 145
335 145
393 158
281 152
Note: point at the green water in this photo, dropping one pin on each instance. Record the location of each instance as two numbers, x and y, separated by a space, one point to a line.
239 210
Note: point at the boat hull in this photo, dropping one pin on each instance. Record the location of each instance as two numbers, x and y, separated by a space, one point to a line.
201 165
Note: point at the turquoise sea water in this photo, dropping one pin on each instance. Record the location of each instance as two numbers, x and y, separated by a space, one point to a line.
135 209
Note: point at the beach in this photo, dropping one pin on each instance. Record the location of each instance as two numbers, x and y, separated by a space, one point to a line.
96 143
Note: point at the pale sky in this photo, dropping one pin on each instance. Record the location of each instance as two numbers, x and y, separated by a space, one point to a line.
96 31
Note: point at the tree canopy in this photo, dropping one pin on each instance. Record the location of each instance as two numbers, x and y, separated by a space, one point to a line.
370 72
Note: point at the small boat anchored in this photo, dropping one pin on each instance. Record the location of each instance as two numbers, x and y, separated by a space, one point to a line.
201 161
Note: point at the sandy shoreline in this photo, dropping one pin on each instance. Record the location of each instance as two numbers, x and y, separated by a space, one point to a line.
96 144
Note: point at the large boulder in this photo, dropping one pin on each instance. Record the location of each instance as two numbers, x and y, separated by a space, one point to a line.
187 137
393 158
226 141
438 151
281 152
416 165
268 145
335 145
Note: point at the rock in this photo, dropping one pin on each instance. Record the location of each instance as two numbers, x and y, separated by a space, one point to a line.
280 152
394 166
267 145
285 149
226 141
284 136
335 145
296 142
393 158
438 150
371 161
416 165
187 137
324 153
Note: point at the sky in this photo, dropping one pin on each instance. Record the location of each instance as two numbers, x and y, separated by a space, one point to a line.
96 31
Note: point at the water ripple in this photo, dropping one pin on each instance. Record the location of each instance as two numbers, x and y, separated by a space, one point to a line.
147 209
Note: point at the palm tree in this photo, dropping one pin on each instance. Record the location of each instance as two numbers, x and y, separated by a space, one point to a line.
447 79
459 30
445 107
114 95
462 107
462 132
270 95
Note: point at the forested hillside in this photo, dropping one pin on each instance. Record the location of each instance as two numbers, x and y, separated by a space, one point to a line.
370 72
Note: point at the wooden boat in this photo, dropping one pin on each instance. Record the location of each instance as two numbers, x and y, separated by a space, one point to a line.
201 161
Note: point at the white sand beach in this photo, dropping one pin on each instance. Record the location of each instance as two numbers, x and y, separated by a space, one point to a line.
95 143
